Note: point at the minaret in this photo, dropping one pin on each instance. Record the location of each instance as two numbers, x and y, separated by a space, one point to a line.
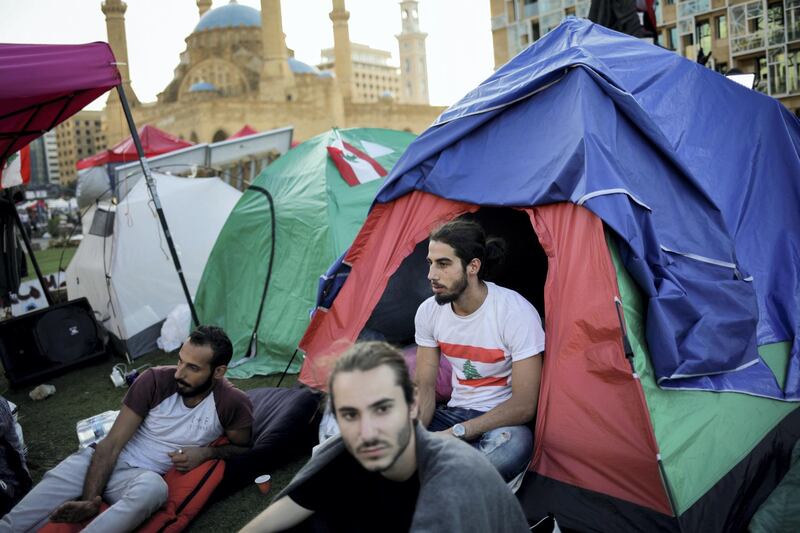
203 6
116 126
343 61
413 58
276 76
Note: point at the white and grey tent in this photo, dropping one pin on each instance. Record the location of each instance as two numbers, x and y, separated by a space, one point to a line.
123 266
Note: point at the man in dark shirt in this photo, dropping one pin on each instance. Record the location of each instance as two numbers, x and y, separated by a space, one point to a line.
395 475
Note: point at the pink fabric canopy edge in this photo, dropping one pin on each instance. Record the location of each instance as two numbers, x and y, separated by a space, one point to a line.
42 85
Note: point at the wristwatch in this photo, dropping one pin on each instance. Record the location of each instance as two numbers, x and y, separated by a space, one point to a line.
459 431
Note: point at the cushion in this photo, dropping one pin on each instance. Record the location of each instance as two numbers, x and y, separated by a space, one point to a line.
285 424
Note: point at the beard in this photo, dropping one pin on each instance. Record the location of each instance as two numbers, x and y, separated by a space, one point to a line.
190 392
459 286
402 441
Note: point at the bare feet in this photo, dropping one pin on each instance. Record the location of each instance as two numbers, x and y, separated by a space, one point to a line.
77 511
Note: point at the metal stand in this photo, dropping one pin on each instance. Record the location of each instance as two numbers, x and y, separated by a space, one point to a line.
29 246
151 186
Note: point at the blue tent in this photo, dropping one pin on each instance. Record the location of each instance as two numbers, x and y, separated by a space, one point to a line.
699 176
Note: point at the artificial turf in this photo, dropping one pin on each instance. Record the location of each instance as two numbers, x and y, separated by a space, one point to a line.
49 432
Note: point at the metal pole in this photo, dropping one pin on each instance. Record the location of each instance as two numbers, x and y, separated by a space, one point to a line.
28 245
151 185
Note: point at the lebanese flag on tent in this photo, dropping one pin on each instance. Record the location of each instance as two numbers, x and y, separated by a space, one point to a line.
355 166
17 169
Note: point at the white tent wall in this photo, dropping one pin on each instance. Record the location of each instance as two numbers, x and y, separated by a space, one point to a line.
144 284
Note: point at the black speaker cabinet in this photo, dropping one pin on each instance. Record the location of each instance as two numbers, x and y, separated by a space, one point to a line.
49 341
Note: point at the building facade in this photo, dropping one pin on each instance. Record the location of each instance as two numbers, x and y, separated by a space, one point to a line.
374 77
757 36
79 136
237 70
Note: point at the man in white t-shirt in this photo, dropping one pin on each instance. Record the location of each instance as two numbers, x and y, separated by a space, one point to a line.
493 338
169 417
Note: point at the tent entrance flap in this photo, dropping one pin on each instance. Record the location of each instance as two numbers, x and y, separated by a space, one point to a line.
524 269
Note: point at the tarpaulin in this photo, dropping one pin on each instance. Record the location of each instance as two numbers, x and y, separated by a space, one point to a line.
704 197
43 85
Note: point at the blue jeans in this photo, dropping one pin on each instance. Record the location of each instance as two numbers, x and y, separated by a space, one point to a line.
508 448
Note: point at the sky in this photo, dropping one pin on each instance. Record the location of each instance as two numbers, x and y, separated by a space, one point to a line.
459 42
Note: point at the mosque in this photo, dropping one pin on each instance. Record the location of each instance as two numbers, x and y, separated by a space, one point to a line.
237 70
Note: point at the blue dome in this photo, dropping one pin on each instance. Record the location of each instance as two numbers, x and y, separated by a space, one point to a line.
202 86
298 67
229 16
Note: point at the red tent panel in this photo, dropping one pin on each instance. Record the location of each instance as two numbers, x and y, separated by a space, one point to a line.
593 428
154 142
388 236
244 132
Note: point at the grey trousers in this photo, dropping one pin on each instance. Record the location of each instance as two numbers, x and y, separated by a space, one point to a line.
132 493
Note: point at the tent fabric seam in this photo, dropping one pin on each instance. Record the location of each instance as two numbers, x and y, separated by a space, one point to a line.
684 376
702 258
501 106
603 192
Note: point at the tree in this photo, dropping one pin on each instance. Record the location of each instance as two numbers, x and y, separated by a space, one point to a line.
470 372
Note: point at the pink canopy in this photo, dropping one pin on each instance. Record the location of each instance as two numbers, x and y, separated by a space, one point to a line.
154 142
42 85
244 132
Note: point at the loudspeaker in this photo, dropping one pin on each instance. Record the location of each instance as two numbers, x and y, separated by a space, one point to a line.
49 341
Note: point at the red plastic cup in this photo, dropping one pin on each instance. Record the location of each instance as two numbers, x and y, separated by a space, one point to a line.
264 483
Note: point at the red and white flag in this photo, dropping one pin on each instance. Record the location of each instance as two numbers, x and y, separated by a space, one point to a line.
355 166
17 169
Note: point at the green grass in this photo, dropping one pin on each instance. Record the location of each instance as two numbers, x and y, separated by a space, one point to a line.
49 260
49 432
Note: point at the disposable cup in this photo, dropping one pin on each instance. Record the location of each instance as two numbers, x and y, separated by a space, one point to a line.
264 483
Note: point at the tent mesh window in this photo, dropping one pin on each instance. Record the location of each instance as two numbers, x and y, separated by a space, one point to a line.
102 223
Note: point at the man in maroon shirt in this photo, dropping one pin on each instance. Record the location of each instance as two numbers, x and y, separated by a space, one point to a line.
168 418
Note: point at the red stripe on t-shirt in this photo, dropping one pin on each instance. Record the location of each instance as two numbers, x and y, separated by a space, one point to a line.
473 353
491 381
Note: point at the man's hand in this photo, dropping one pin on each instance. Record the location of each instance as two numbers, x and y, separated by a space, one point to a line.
77 511
187 459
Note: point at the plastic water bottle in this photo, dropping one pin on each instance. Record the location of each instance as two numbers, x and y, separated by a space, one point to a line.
95 428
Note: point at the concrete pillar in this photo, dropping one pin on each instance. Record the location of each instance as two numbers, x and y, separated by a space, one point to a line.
341 43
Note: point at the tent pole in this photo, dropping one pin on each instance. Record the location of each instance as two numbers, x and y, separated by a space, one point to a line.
151 186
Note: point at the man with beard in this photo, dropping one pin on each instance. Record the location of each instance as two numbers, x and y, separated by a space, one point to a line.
168 418
493 339
385 472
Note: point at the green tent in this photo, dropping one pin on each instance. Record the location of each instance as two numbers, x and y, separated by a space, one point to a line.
316 215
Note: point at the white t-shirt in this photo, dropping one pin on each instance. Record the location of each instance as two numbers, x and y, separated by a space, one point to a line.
169 425
482 346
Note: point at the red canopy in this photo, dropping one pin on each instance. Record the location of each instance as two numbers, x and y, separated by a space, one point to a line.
43 85
154 142
244 132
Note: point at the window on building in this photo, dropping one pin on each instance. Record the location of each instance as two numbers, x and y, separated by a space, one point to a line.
535 33
775 27
669 2
722 27
793 71
672 38
777 71
703 35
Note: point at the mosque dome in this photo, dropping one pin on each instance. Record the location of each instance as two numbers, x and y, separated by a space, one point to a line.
298 67
231 15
